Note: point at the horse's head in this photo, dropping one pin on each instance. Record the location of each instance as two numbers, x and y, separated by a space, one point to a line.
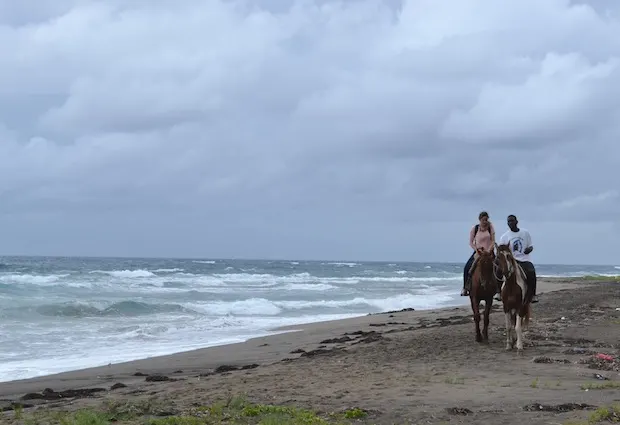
505 260
485 264
484 257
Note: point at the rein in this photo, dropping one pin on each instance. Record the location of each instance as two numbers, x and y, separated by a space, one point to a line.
499 277
511 267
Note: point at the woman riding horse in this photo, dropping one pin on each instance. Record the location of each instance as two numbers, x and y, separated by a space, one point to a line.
481 236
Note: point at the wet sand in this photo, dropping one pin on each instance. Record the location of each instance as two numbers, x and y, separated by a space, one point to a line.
400 367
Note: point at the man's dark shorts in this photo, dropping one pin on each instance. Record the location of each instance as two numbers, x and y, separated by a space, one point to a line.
530 272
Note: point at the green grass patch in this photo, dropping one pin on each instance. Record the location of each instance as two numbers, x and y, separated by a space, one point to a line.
606 414
234 411
600 278
606 385
355 413
549 385
454 380
82 417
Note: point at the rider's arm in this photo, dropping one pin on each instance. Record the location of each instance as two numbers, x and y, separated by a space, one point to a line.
529 247
472 235
492 238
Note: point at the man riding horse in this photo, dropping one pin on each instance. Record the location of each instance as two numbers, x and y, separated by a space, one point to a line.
520 243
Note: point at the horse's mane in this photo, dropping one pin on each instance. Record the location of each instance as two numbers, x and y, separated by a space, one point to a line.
518 271
485 258
485 266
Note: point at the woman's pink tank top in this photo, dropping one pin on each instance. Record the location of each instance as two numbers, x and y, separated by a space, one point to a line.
483 239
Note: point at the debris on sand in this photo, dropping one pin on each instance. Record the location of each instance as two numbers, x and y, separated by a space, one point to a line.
230 368
579 350
50 394
605 357
459 411
369 339
558 408
158 378
117 386
14 406
317 352
544 359
601 362
336 340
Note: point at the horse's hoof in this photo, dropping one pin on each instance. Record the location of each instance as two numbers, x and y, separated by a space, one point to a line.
508 348
520 351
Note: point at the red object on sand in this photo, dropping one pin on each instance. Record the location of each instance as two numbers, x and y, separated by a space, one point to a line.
605 357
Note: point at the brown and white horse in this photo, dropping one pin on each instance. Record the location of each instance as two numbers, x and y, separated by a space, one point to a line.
483 288
515 297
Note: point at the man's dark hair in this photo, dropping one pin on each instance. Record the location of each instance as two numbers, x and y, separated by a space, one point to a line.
512 216
483 214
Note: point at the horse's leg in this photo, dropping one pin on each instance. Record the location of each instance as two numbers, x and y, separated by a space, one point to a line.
519 331
514 327
508 331
475 306
488 303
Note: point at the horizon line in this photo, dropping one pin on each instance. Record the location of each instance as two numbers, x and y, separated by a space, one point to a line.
131 257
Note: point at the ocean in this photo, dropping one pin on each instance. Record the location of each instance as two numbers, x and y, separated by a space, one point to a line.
60 314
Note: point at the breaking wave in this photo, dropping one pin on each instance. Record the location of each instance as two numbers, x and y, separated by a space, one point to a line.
104 310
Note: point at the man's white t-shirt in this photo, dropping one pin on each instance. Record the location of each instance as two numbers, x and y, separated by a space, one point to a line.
518 241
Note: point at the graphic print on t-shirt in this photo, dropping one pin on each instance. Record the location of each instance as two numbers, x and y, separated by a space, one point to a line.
518 242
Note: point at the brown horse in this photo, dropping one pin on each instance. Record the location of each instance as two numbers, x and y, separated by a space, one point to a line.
515 297
483 287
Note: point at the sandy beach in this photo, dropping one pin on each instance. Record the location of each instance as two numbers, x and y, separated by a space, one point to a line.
420 367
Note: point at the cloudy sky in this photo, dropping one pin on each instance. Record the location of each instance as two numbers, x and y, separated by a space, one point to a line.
360 130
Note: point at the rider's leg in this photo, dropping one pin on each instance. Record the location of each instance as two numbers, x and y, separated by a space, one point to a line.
468 265
473 265
530 272
533 282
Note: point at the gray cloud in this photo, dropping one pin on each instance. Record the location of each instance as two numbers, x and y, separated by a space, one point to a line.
363 129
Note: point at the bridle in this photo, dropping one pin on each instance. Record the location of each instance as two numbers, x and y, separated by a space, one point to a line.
496 266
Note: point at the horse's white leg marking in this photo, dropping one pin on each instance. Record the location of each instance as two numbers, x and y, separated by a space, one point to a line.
508 332
513 334
519 331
